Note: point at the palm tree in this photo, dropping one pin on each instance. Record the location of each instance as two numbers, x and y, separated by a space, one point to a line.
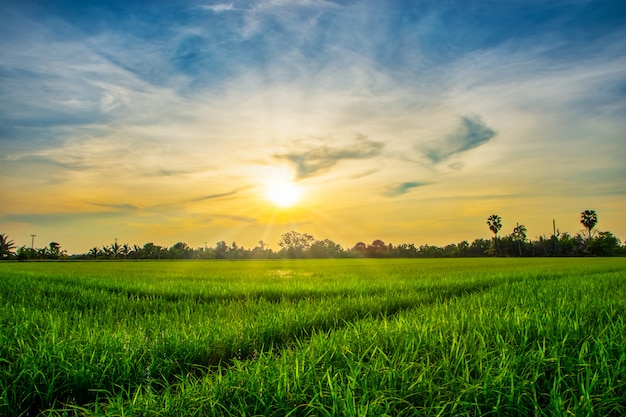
94 252
589 219
126 250
136 252
519 235
55 250
6 247
495 224
116 249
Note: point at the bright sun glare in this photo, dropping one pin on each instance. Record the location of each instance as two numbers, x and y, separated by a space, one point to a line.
283 194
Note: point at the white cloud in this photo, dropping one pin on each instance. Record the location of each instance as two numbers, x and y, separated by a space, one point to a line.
218 8
296 17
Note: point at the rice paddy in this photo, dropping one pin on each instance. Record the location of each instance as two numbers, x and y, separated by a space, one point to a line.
351 337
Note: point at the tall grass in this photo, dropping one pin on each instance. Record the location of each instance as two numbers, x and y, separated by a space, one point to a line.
336 337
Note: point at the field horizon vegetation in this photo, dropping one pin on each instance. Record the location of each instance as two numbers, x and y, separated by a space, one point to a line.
296 245
353 337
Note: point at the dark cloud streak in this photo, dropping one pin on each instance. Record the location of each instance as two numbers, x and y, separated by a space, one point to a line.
319 159
472 133
122 206
213 196
403 188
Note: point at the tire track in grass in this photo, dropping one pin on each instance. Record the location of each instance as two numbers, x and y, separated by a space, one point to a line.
165 360
163 363
473 358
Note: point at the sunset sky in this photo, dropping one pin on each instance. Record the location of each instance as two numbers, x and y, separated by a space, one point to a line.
405 121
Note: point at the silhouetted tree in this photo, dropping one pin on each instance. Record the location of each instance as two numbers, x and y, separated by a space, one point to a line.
95 251
519 236
377 249
126 250
221 250
136 252
325 249
431 251
152 251
295 244
451 251
495 224
359 249
6 247
55 251
180 250
112 251
404 250
463 248
261 251
479 247
589 219
568 245
604 244
23 253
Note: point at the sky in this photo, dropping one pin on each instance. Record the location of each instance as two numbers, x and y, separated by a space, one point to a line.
405 121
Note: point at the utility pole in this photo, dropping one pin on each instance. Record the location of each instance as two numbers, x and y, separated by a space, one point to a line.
32 242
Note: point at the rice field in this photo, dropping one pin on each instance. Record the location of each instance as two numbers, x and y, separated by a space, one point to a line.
351 337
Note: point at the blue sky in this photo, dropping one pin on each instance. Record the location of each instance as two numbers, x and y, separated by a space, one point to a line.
406 121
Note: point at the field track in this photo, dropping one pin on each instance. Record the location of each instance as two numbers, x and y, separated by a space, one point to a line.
351 337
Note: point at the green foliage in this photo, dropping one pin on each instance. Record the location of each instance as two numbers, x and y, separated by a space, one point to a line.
604 244
333 337
6 247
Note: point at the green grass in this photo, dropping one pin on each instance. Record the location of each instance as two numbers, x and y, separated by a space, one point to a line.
314 337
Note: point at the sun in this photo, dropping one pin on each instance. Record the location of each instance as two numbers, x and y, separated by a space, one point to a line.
283 194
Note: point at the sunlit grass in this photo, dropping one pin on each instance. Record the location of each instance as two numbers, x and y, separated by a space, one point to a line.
335 337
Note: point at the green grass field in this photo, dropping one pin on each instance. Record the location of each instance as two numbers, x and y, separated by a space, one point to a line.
351 337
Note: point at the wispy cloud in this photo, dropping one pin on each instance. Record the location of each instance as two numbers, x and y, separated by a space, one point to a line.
42 219
240 219
294 16
471 133
169 172
118 206
403 188
315 160
218 7
214 196
37 161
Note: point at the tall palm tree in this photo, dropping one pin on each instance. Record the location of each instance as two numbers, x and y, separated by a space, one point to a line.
6 247
495 224
519 235
589 219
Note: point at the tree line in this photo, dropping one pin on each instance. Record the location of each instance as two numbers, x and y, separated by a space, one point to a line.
295 245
